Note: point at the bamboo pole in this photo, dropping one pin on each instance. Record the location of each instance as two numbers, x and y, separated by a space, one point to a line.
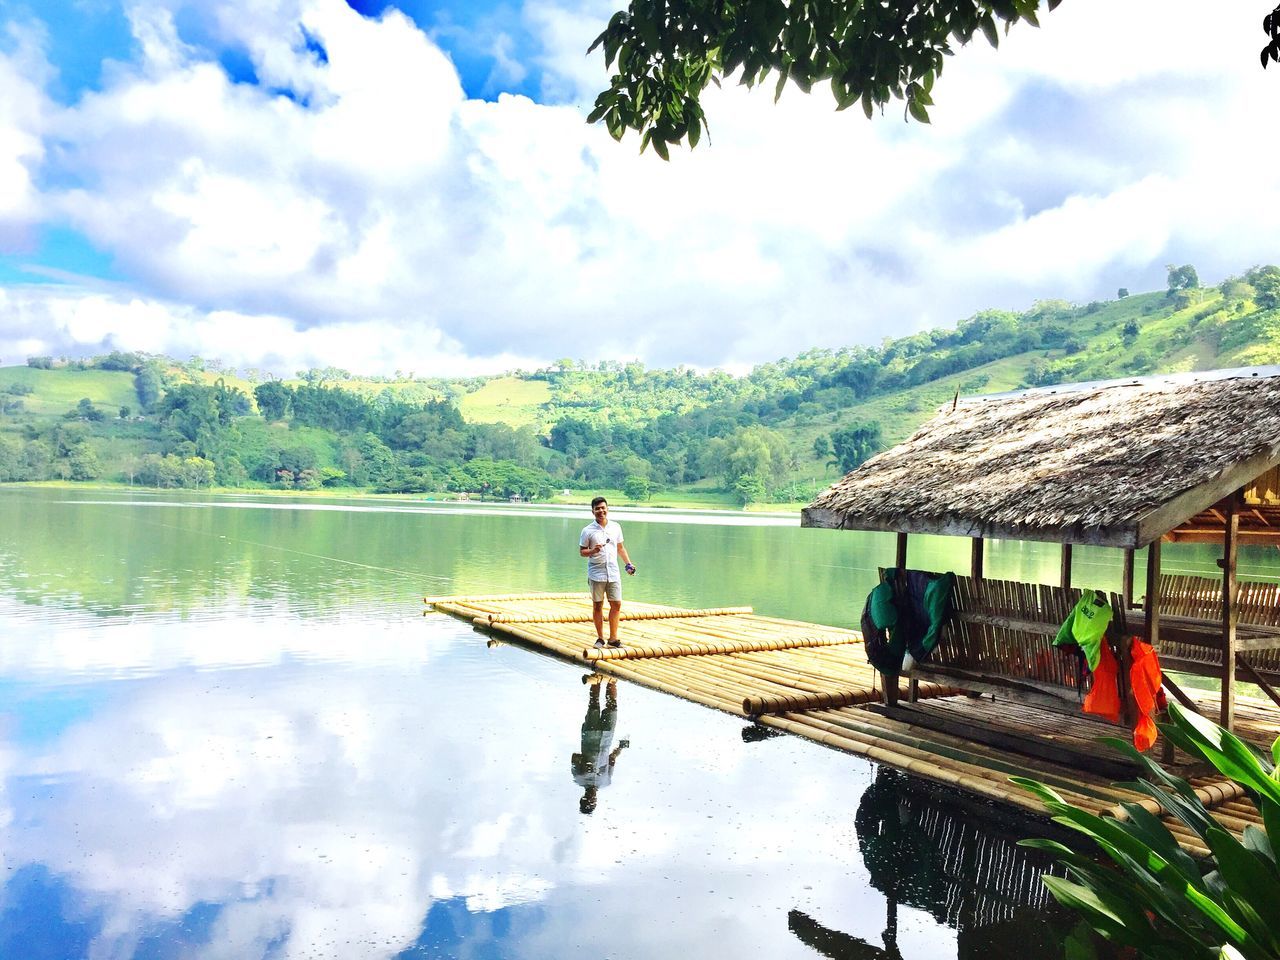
1212 795
1230 536
624 615
503 597
1126 577
823 700
637 651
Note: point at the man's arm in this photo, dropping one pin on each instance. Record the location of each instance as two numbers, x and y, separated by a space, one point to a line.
626 559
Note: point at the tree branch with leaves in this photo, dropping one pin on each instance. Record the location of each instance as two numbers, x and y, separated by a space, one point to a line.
664 53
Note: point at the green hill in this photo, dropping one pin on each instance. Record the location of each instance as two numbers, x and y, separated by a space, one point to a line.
778 433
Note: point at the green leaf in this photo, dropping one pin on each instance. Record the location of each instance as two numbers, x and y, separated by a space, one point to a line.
1190 812
918 110
1228 753
1271 821
1039 790
1218 916
1151 830
1256 839
988 25
1079 944
1111 916
1245 872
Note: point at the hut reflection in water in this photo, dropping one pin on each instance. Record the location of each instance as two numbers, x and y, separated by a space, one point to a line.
963 870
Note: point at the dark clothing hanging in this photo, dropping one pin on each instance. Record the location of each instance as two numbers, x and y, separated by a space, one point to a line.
905 614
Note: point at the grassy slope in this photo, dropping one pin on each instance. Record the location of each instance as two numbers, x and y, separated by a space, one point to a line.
1174 340
57 391
508 400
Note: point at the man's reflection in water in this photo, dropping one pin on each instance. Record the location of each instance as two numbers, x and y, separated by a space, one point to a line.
593 766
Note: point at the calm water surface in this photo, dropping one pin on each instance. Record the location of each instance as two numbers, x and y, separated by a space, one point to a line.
227 731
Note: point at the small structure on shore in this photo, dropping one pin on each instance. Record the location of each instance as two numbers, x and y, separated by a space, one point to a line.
1127 464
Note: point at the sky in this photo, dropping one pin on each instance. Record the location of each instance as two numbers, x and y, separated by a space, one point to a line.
412 186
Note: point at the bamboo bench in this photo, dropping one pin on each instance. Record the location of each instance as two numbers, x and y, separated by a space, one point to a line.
999 641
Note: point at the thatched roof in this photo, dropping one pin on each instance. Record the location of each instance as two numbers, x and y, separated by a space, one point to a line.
1119 463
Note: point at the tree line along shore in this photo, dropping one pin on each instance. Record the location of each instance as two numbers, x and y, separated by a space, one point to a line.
679 436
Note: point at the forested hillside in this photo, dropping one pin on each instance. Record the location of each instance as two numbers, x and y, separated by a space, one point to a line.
776 434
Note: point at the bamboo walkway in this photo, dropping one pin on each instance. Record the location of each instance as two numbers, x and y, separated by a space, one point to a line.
814 681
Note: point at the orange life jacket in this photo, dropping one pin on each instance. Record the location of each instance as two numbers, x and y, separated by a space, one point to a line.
1103 698
1145 680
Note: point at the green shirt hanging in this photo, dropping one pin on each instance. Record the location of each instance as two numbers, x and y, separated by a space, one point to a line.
1085 626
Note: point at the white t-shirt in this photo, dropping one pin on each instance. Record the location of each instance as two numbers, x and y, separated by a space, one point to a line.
604 565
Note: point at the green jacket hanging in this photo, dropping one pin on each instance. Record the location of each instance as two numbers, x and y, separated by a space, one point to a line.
1085 626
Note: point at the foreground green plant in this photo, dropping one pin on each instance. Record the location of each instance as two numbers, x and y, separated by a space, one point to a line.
1154 897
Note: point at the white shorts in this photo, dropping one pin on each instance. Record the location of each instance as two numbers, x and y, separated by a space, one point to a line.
602 590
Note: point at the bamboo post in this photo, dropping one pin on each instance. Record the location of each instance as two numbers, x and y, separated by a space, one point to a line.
1126 576
1066 566
975 558
1230 536
1151 616
1151 606
891 682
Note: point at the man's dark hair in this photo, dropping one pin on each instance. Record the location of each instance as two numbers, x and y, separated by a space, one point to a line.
597 501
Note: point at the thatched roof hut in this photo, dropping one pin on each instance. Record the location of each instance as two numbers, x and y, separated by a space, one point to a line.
1119 463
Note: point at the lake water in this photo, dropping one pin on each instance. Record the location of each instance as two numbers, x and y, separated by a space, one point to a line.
227 731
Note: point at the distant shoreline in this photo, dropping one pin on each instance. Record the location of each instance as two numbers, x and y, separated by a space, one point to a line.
701 502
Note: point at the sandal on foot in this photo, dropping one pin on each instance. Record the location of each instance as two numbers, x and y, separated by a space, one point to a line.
599 641
615 643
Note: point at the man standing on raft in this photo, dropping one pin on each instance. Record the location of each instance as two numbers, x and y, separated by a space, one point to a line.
601 543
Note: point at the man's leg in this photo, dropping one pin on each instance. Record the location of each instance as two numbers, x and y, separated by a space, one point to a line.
615 613
597 617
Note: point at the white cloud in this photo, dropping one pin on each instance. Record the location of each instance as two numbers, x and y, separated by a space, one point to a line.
23 107
48 320
378 219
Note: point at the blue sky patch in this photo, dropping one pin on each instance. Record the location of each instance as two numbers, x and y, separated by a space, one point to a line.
40 919
57 248
449 925
40 716
315 47
489 43
81 37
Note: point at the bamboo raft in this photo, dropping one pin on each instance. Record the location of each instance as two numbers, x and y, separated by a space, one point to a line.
814 681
